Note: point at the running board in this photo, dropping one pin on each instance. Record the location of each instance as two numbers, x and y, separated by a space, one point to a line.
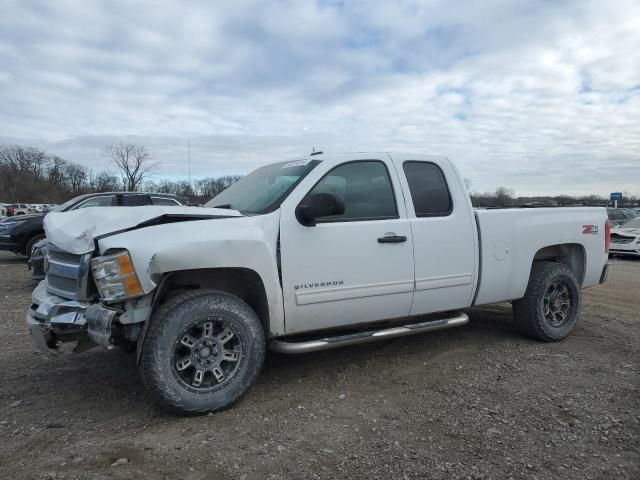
369 336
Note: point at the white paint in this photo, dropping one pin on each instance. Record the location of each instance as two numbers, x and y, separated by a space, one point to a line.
348 252
438 268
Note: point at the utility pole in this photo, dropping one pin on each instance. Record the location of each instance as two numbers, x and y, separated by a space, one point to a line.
189 159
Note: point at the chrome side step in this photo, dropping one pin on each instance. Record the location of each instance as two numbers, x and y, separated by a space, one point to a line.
368 336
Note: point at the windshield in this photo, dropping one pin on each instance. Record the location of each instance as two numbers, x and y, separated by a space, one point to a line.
67 204
635 223
263 189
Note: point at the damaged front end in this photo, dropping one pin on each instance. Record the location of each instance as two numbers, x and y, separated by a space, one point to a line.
69 306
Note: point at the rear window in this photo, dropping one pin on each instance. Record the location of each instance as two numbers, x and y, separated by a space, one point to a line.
429 190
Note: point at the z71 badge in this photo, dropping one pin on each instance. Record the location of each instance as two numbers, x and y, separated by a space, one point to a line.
589 229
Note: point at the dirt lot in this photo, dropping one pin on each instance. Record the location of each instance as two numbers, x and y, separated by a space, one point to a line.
475 402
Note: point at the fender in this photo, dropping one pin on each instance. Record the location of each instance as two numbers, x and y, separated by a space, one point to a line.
239 242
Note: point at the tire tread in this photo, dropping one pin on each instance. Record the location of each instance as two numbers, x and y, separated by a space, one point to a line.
152 375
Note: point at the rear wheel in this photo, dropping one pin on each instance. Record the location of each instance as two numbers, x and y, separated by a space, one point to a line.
551 306
202 352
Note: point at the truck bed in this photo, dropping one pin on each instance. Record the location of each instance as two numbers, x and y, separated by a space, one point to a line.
511 239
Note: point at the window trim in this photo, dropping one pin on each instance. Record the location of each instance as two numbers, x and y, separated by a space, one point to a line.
77 206
176 202
369 219
446 183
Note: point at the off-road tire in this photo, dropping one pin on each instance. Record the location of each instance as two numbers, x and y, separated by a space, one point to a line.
31 243
166 326
529 311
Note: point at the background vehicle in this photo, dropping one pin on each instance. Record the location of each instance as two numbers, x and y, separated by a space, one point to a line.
21 234
618 216
17 209
34 230
315 253
3 210
625 239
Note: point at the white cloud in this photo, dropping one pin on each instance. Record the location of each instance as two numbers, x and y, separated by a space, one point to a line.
541 97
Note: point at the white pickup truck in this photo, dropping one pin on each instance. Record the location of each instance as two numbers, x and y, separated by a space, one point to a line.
303 255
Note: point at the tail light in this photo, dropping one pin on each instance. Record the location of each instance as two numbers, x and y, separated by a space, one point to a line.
607 237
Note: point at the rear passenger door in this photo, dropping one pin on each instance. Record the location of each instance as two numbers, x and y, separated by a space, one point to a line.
350 268
444 237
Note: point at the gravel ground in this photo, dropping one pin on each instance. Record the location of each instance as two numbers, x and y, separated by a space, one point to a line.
476 402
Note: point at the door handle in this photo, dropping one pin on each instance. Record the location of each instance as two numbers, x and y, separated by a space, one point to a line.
392 238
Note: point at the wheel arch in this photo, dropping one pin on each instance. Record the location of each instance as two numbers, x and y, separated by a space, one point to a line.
244 283
572 255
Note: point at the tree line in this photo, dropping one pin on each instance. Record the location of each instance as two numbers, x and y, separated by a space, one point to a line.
504 197
31 175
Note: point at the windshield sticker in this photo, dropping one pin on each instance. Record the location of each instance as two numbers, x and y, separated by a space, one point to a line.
296 163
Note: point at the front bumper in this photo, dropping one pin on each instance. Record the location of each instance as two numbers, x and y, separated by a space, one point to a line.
625 249
52 319
9 243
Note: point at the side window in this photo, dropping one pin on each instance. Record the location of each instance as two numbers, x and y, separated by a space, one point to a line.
102 201
429 190
163 201
134 200
365 188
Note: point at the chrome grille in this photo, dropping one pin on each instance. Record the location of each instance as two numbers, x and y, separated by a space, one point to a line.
62 283
64 257
67 273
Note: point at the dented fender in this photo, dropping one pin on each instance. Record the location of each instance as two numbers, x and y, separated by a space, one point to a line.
238 242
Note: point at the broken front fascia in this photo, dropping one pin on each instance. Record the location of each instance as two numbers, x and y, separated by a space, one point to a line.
52 318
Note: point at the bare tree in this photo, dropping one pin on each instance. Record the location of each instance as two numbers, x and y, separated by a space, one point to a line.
133 161
75 176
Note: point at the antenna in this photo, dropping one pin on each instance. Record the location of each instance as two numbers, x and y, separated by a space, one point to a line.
314 152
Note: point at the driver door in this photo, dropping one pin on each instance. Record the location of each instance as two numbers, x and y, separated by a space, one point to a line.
350 268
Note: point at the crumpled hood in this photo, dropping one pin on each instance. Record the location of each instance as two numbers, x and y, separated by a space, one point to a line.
75 231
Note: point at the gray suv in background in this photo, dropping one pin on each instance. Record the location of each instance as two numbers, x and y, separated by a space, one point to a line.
108 199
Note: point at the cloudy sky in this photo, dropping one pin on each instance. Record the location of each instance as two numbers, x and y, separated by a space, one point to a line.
541 96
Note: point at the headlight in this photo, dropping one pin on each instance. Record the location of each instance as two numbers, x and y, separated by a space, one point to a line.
115 276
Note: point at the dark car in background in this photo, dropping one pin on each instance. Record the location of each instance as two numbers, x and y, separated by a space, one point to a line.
21 234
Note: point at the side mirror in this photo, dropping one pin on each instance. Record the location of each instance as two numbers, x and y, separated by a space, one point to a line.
319 205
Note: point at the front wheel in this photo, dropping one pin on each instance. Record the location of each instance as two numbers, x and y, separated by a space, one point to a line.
551 306
202 352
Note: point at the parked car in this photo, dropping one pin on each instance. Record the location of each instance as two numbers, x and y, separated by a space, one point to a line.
625 239
305 255
18 209
35 246
618 216
21 231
